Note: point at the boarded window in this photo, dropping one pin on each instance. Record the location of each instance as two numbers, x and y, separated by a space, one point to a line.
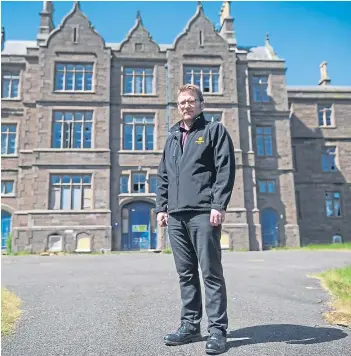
55 243
83 242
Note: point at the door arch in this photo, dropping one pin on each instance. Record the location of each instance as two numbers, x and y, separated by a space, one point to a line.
139 228
269 223
5 227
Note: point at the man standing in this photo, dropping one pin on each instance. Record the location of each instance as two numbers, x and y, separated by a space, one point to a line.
195 182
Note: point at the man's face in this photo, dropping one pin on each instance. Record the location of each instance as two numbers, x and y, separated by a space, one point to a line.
189 105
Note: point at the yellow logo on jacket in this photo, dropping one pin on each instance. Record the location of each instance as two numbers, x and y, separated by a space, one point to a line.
200 140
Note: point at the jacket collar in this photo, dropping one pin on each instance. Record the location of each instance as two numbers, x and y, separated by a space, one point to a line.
198 122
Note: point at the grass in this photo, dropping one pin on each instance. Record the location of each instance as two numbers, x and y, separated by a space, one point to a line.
344 246
338 283
317 247
10 311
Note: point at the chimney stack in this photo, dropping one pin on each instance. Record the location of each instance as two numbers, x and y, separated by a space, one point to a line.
2 37
46 22
227 23
325 80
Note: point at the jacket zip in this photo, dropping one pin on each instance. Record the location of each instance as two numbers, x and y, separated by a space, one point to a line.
177 170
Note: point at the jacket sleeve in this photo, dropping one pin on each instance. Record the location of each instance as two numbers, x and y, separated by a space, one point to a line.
224 161
162 186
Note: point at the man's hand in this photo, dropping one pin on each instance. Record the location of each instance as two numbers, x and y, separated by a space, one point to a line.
162 219
217 217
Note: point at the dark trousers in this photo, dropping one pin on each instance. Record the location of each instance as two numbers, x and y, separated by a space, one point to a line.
194 241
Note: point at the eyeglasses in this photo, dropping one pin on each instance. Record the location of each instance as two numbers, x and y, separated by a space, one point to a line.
191 102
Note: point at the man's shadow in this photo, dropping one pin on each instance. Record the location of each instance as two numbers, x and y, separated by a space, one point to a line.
290 334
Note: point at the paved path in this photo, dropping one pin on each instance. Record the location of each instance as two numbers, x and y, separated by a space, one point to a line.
122 305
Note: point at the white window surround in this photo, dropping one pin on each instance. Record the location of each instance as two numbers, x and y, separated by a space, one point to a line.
139 75
206 77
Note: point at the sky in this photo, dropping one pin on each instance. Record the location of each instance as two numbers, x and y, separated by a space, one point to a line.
303 33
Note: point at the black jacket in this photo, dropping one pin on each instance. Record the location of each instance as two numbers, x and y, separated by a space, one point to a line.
200 177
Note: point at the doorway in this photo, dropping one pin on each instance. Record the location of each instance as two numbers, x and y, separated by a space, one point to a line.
139 228
5 228
270 229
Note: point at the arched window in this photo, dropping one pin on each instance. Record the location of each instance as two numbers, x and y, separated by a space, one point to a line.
83 242
55 243
337 239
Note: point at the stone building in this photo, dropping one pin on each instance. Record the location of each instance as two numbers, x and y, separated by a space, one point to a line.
84 123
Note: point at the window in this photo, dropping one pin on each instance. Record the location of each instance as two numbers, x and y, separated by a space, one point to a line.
324 115
138 132
83 242
139 47
73 77
72 129
75 34
7 187
70 192
8 139
260 87
212 116
264 141
294 157
206 78
55 243
125 220
153 184
201 38
298 205
123 184
332 204
266 186
138 80
10 85
337 239
139 182
328 159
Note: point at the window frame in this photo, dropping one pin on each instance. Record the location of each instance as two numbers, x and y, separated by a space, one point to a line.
201 68
325 108
263 93
333 203
144 83
140 173
82 184
298 204
263 137
84 123
328 157
12 73
266 183
8 133
3 185
75 64
128 183
135 116
150 178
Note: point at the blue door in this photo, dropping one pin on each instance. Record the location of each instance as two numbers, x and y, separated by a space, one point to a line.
5 228
138 226
269 222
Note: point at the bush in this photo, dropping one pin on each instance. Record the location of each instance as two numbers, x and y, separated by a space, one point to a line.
9 244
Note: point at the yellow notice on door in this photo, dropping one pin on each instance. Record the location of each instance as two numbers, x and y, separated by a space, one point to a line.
224 240
139 228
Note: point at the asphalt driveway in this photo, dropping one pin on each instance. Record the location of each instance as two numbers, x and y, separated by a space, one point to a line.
123 305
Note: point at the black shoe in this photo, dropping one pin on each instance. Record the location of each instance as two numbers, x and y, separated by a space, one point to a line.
182 336
216 344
